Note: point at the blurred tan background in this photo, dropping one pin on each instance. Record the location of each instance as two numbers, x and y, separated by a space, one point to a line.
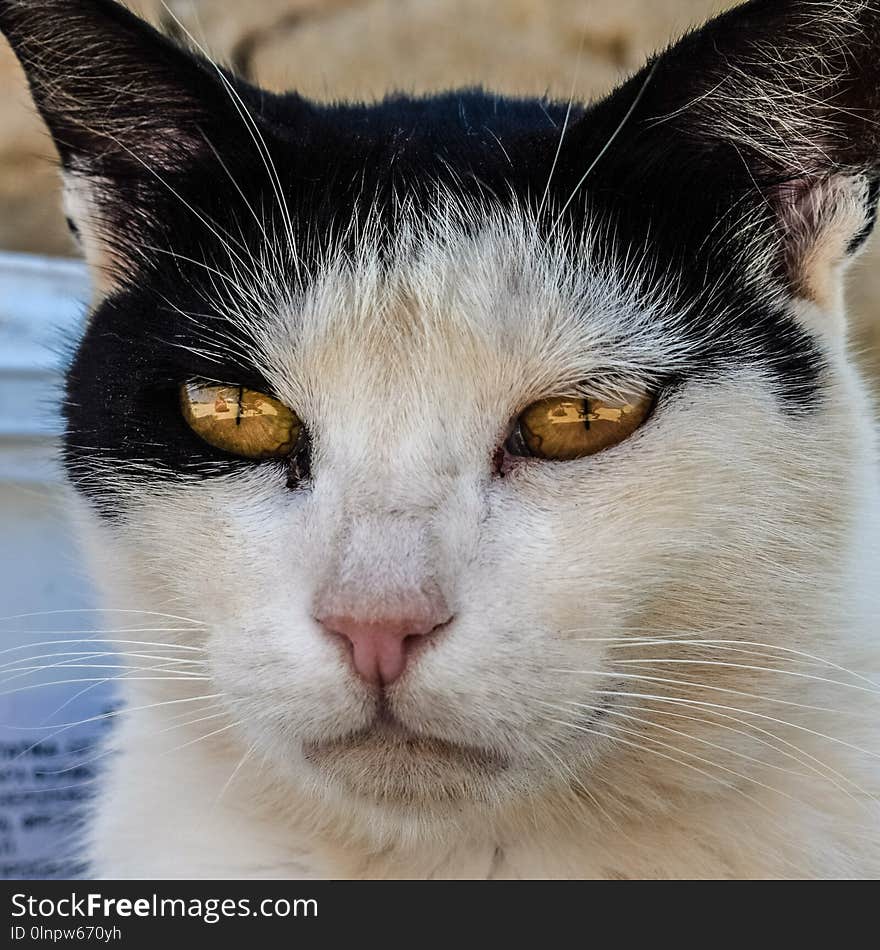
362 48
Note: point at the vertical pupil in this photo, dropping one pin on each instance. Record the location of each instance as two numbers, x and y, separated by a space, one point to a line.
586 413
240 398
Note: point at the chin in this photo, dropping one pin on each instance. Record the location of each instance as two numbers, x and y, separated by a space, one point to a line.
387 765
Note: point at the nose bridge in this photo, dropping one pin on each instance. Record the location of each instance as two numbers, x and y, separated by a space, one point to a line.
380 562
390 422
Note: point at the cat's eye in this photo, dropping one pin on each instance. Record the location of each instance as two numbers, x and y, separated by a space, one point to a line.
240 421
562 429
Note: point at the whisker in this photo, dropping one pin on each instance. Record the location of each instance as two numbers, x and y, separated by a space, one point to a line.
658 661
717 689
223 236
559 144
251 126
746 712
784 833
99 640
623 122
81 654
102 755
642 748
738 754
91 610
72 699
188 712
112 714
73 665
699 758
799 755
571 776
227 784
82 783
133 679
216 732
629 641
260 222
190 722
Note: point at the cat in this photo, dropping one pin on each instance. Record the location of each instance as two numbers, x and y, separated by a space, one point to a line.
492 474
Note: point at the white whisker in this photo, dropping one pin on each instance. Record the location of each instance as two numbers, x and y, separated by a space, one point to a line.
717 689
661 661
611 140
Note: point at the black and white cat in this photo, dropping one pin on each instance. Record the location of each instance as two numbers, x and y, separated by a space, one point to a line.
498 466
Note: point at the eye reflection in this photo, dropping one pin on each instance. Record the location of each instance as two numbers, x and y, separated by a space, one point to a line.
240 421
564 429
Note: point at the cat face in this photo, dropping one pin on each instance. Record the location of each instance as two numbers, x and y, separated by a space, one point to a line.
422 604
703 523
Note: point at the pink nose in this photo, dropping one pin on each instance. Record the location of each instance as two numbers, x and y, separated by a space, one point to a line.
381 646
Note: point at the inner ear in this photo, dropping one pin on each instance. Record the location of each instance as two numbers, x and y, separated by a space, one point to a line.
823 224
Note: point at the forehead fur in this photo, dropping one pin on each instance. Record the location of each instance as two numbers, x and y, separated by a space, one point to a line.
477 295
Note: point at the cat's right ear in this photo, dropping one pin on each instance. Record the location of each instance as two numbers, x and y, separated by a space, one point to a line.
763 127
128 109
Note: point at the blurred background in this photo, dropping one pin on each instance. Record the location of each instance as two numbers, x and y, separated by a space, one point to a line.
326 49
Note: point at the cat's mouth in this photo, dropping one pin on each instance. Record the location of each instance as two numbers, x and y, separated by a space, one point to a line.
387 761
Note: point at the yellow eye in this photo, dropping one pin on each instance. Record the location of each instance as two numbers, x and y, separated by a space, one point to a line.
566 429
239 420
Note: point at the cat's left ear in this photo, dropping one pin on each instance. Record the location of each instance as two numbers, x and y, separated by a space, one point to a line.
128 109
773 110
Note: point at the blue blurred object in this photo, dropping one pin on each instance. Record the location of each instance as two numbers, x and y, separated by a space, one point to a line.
47 766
